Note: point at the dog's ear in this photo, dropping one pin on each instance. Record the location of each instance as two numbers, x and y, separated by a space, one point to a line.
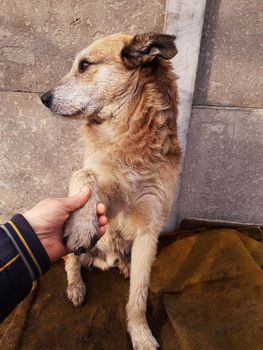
144 48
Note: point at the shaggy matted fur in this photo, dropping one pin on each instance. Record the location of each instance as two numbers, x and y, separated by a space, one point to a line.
124 87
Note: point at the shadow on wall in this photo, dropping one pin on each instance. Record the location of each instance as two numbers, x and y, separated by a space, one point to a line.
206 51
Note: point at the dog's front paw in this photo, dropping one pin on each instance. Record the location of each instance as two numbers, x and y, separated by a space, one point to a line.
76 293
146 342
142 338
82 230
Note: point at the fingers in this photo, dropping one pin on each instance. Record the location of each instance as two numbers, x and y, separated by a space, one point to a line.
77 201
102 230
101 209
102 220
102 224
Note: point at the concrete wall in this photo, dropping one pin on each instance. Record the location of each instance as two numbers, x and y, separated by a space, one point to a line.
230 65
223 169
38 41
40 38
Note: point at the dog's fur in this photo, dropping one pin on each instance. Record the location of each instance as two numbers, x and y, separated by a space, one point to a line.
124 87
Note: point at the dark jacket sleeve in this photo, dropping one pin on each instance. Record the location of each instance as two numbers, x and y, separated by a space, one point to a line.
22 260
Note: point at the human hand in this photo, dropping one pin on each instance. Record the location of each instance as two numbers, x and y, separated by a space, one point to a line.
47 219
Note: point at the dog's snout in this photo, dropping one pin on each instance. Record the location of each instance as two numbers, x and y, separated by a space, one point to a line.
47 98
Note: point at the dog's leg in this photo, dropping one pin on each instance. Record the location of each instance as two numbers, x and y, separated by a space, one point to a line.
82 228
76 288
82 232
143 254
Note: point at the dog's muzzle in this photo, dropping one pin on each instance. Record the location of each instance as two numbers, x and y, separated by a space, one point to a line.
47 98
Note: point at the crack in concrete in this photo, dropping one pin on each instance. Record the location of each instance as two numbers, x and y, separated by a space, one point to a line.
23 91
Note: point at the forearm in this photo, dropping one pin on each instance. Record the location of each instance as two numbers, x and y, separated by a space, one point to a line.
22 260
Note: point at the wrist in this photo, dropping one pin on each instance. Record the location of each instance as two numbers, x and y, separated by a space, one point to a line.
30 219
28 245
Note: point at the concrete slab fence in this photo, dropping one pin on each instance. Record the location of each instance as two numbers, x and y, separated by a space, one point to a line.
219 69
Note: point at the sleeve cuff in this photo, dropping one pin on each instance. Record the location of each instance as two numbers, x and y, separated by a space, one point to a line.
28 245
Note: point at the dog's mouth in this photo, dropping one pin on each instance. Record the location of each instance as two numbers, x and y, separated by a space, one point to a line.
90 119
68 112
76 114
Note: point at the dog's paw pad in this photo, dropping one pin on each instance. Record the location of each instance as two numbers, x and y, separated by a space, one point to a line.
76 293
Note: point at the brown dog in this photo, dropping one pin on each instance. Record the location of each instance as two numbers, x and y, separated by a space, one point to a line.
124 87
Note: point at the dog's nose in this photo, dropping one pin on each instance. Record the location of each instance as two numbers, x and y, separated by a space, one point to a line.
47 98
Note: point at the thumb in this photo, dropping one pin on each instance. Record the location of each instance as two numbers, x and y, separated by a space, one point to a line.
78 200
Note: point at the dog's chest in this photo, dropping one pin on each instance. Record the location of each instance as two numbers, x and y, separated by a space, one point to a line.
109 167
95 160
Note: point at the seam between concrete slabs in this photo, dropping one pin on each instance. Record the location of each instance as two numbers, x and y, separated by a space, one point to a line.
200 106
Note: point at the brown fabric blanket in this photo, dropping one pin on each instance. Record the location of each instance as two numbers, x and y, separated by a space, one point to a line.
206 293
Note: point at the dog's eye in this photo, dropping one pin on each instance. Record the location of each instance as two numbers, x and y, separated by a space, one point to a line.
83 66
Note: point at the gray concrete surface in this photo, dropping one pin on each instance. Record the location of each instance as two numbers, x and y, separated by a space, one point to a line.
39 39
39 152
223 168
230 64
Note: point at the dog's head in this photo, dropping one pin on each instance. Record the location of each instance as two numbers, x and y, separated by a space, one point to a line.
106 72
